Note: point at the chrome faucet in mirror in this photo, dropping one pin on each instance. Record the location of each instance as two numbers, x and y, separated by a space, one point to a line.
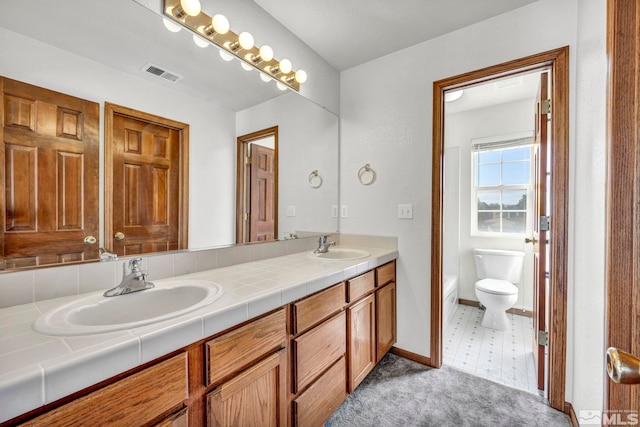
133 281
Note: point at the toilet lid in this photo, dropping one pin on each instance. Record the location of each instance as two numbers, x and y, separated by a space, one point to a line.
496 287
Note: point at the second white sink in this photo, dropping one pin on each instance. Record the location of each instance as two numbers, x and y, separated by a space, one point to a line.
98 314
340 254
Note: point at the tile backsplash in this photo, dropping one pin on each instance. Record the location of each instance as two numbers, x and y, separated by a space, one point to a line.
23 287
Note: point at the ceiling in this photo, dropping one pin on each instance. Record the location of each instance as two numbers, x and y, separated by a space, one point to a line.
125 36
347 33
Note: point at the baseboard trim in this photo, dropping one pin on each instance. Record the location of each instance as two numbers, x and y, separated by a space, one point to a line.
411 356
568 409
518 311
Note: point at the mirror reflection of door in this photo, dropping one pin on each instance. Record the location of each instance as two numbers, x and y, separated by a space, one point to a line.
146 160
50 177
257 186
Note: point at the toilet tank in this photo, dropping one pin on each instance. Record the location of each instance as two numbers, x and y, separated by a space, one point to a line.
499 264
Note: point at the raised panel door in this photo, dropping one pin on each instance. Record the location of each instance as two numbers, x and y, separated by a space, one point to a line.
362 340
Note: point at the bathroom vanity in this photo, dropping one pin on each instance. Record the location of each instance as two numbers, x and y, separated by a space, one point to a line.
300 349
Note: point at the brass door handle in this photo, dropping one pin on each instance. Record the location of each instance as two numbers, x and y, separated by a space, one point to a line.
119 235
622 367
534 240
90 240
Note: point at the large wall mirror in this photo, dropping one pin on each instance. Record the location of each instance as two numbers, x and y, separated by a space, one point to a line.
99 51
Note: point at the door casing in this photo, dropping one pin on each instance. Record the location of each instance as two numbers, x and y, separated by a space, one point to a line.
557 61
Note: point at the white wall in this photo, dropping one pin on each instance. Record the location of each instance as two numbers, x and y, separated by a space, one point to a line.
212 129
307 141
460 129
386 109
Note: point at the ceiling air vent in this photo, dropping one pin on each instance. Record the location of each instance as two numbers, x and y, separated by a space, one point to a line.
157 71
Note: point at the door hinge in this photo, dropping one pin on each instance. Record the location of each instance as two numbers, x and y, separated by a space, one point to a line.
545 106
543 338
544 223
247 216
247 160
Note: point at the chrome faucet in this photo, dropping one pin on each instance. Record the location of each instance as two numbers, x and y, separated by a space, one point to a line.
134 281
323 245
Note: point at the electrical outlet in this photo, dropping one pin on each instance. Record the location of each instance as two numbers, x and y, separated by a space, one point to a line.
344 212
291 211
334 211
405 211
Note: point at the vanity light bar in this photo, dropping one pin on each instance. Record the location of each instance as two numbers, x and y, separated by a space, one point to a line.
229 43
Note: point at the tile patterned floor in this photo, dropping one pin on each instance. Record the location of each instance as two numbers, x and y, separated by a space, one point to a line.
501 356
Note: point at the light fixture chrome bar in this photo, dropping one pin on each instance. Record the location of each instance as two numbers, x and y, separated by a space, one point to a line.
201 25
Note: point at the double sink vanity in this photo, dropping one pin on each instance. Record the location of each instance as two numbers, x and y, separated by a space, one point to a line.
277 341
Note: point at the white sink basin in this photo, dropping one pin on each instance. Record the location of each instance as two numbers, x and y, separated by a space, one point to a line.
97 314
340 254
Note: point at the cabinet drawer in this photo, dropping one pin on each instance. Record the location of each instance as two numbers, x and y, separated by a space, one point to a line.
311 310
157 389
386 273
360 286
322 398
317 349
241 347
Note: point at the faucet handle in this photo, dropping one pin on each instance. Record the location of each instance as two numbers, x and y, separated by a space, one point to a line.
134 265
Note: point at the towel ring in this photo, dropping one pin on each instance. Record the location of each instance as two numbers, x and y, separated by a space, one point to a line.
366 175
315 180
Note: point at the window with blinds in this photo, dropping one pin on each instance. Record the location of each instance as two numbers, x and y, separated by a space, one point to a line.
502 187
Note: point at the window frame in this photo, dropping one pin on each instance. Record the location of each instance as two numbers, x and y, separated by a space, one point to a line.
505 141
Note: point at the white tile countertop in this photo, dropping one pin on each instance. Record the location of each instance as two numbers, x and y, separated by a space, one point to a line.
38 369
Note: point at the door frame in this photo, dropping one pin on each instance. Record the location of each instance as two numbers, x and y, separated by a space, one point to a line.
557 61
243 141
622 238
110 111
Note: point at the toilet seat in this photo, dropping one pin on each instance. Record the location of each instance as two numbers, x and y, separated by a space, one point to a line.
496 287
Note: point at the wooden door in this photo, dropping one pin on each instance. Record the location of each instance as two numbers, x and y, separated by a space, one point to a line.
540 149
362 340
50 180
262 194
623 200
148 197
255 397
259 220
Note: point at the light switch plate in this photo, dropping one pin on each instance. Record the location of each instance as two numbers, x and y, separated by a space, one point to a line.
334 211
405 211
291 211
344 211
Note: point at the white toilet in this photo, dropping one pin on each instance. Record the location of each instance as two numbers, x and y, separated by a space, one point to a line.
498 272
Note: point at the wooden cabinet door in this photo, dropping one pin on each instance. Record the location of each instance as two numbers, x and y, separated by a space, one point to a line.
385 319
49 180
362 340
255 397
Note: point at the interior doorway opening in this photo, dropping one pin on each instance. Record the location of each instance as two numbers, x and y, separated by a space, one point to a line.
257 186
492 174
555 63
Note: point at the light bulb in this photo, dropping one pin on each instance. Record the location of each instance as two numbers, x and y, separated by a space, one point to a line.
266 53
246 40
246 66
301 76
265 78
191 7
220 24
170 25
285 66
226 56
281 86
200 42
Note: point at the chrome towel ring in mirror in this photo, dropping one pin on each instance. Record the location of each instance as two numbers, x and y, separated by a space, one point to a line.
315 180
366 175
